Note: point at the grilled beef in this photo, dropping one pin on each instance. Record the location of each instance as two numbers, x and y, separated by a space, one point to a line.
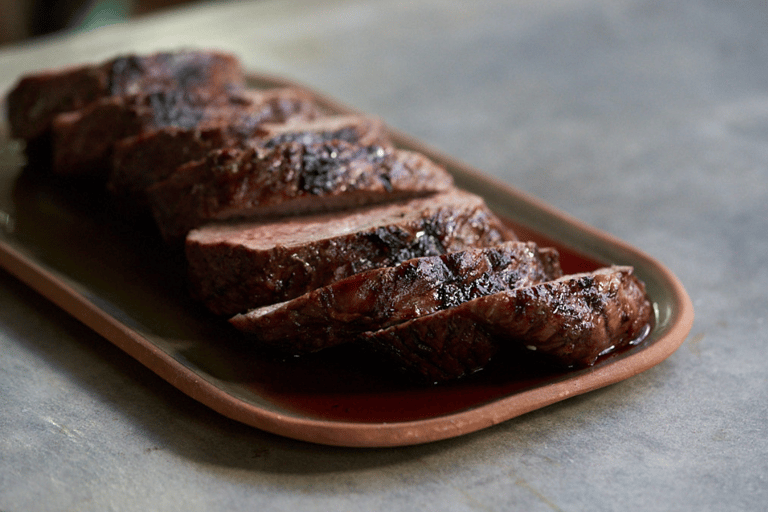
83 140
37 99
140 161
571 320
287 179
365 131
235 267
377 298
431 279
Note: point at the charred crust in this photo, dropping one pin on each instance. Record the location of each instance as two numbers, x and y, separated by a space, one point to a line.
124 70
326 166
175 108
348 134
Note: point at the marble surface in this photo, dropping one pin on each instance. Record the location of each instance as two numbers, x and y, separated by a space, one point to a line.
644 118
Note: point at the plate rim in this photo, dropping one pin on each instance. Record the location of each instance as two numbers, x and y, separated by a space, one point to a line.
367 435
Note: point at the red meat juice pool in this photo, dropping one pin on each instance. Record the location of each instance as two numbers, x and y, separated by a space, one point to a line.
345 384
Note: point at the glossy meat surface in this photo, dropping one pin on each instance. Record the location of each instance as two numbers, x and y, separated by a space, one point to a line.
289 178
366 131
239 266
378 298
142 160
571 320
38 98
83 140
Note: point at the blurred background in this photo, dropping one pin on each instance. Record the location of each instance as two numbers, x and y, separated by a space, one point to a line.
23 19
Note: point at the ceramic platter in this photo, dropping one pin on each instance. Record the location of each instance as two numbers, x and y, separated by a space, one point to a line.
115 275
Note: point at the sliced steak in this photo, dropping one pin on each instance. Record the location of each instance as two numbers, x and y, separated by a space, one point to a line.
571 320
144 159
289 178
38 98
234 267
148 158
365 131
378 298
83 140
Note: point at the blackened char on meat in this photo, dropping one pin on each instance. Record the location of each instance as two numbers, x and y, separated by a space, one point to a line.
378 298
571 321
235 267
37 99
368 242
83 140
365 131
142 160
288 179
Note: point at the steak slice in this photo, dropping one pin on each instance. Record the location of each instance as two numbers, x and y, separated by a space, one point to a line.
37 99
365 131
572 321
143 160
234 267
375 299
287 179
83 140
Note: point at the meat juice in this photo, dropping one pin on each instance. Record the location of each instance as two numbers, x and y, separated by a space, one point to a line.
342 384
346 384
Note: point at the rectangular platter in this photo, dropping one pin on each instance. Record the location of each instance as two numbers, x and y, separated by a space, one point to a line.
116 276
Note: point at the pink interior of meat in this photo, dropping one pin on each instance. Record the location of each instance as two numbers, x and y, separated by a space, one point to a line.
298 230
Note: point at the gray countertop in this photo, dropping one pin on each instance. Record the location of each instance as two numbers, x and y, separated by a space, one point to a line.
643 118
